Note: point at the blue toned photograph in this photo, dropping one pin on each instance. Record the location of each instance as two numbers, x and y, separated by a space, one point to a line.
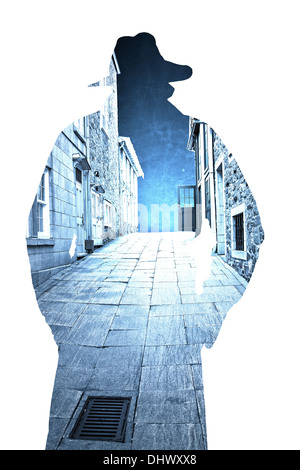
142 236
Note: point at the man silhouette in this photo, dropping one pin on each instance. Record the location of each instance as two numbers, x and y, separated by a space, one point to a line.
130 320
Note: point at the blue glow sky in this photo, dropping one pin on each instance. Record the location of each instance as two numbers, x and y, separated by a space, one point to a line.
158 131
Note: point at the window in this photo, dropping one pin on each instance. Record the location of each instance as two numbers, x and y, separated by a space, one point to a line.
107 214
238 227
200 194
207 201
96 206
238 238
78 174
187 197
199 163
39 220
205 147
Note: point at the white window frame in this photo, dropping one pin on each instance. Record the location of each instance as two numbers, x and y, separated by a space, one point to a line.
238 254
107 213
44 204
96 207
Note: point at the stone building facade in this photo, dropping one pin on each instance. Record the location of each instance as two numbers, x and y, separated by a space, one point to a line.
77 206
239 203
130 171
104 161
55 224
225 199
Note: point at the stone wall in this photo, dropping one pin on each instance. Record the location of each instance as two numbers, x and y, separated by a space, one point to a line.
237 192
104 158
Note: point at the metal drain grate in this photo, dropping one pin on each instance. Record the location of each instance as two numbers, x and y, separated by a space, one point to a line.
102 419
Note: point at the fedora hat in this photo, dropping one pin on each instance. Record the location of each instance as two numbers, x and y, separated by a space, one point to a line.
140 55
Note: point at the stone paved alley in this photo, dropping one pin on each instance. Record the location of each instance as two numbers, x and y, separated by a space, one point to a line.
128 323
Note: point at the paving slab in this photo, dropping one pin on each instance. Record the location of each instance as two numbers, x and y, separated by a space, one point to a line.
165 276
61 318
169 407
77 377
64 402
125 337
197 376
204 321
121 356
57 428
102 310
136 296
201 336
167 377
123 322
142 275
51 306
73 355
60 332
168 437
108 296
113 378
165 330
89 330
133 310
183 309
172 354
165 295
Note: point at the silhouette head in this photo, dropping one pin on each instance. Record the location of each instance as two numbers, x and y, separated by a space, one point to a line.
139 56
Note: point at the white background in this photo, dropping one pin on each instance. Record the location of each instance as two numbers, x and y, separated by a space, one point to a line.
245 84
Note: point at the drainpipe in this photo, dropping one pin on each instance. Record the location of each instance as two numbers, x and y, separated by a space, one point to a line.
90 244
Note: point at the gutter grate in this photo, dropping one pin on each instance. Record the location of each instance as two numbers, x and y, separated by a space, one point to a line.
102 419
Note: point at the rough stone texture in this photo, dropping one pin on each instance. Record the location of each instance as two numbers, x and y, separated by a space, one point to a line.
237 191
104 156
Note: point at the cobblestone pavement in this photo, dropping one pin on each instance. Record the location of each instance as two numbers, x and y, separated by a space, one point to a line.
127 322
